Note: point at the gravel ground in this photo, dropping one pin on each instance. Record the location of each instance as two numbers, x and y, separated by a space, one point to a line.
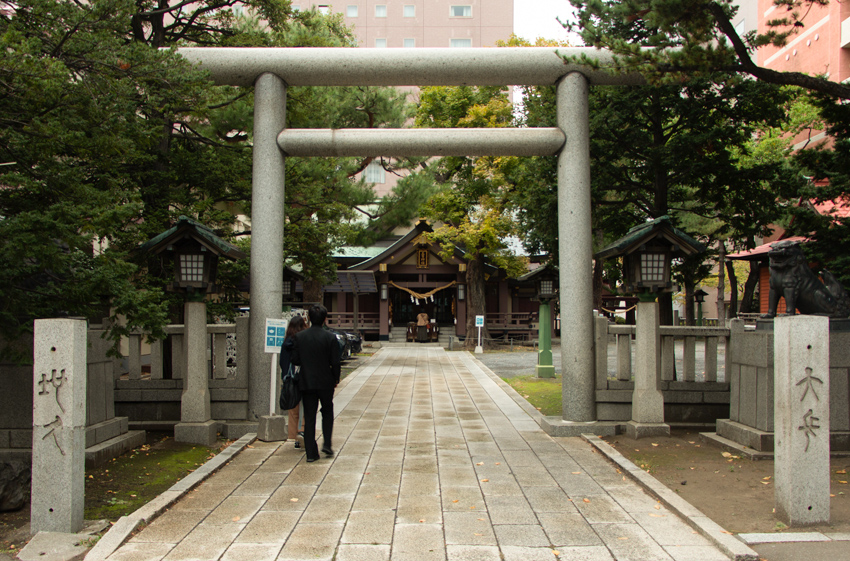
522 361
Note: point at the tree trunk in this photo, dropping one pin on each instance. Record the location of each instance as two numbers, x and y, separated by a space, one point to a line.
747 303
733 289
312 291
721 284
665 308
476 304
690 318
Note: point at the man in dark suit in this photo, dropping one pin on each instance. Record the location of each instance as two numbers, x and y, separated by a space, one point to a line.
317 352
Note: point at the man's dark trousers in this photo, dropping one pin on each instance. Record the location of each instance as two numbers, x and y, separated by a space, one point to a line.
311 400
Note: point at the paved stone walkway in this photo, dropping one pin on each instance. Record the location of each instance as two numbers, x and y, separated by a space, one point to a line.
434 461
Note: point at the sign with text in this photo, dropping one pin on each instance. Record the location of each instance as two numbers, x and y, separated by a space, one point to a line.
275 332
479 321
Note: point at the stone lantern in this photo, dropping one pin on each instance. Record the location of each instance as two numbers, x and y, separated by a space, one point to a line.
196 251
647 252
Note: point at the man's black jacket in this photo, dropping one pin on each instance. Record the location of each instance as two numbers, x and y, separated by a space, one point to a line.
317 352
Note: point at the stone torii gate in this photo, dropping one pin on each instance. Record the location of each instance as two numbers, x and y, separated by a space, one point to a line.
272 70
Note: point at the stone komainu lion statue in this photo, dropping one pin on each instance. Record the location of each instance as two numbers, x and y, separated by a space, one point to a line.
792 279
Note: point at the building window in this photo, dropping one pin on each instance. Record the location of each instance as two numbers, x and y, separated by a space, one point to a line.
460 43
381 43
410 11
375 172
422 258
324 9
409 43
351 11
460 11
380 10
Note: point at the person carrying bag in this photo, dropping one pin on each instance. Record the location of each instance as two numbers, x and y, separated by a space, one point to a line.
290 394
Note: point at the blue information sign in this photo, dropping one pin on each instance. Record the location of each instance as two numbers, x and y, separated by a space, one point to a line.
275 332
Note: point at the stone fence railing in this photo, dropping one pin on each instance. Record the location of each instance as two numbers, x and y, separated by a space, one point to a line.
148 389
688 379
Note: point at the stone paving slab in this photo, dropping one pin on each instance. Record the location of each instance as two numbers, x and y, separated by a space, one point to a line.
434 461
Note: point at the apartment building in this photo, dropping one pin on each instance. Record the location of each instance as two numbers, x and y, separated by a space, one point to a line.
822 46
423 23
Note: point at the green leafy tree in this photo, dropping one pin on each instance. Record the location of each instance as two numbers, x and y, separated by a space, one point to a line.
470 207
694 38
106 138
679 149
827 165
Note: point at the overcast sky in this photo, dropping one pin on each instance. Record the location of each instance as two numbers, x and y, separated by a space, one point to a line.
537 18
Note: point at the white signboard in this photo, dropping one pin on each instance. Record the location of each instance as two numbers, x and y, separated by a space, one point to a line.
479 321
275 332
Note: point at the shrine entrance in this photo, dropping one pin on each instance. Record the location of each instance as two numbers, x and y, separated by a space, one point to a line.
570 69
406 307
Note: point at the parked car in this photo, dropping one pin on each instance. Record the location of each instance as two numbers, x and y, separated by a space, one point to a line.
349 343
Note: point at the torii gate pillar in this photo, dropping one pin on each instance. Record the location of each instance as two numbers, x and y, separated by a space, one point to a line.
574 247
267 196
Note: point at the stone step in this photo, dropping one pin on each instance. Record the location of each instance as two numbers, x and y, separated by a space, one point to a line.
101 453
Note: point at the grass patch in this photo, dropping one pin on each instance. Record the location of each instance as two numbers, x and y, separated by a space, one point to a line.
542 393
128 482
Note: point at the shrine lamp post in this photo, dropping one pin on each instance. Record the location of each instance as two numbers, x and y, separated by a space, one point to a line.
699 297
648 251
195 250
546 283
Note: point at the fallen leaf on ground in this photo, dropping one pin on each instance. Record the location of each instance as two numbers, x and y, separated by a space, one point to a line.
658 515
293 500
654 444
843 482
236 519
586 500
480 464
422 520
766 478
726 454
576 473
484 480
454 501
657 507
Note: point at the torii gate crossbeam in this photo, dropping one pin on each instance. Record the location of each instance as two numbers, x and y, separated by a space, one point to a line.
271 70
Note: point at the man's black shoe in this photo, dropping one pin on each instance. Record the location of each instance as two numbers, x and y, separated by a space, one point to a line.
327 451
312 459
